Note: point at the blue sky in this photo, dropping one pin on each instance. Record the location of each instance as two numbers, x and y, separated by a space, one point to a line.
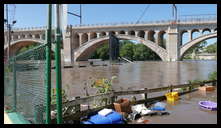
34 15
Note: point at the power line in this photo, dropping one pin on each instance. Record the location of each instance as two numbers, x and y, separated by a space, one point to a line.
143 13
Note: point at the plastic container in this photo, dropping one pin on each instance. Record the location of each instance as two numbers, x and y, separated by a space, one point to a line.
172 96
112 118
209 105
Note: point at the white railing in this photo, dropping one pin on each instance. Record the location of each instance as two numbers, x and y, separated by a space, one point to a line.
195 19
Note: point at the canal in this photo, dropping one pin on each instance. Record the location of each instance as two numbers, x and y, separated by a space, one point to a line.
133 76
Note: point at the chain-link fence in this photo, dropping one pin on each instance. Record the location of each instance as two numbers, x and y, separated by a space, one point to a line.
24 82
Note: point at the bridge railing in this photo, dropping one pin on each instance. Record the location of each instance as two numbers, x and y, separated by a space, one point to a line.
193 19
180 20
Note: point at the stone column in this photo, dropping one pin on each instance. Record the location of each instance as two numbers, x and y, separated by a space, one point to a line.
41 36
98 35
126 32
201 32
107 33
12 38
173 43
136 33
68 54
146 35
89 36
190 35
157 40
80 38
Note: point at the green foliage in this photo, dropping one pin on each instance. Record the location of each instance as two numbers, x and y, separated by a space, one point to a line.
197 48
23 49
127 50
213 76
103 85
27 48
102 52
212 48
53 96
140 52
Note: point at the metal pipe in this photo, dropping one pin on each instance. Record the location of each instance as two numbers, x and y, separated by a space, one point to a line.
58 67
8 31
14 86
48 66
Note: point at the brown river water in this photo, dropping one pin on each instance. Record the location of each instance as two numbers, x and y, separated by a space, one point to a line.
133 76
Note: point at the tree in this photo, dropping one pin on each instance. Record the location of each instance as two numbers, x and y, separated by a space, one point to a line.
140 52
197 48
127 51
212 48
101 53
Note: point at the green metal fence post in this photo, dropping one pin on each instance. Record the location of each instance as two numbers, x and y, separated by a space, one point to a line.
48 66
58 69
14 86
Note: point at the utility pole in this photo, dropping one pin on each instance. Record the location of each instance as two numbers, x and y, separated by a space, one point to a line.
174 11
80 16
9 27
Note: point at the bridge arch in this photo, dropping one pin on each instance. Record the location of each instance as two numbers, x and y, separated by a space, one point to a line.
18 44
29 36
206 29
76 41
122 32
112 32
85 51
150 35
103 33
161 35
215 30
132 33
195 33
141 34
84 38
195 41
182 35
93 35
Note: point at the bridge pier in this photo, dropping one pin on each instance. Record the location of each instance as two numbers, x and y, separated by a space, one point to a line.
68 52
173 44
